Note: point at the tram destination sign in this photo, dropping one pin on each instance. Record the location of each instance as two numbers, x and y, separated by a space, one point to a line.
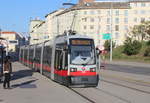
80 42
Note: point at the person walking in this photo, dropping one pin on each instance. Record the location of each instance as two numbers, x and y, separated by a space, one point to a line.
7 72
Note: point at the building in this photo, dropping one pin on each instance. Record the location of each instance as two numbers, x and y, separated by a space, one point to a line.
95 18
12 42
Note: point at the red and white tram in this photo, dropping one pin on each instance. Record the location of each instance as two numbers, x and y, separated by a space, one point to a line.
68 59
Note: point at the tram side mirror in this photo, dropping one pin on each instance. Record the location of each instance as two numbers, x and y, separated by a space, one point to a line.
97 51
65 48
59 67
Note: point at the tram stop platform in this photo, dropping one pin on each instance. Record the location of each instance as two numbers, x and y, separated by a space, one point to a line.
28 86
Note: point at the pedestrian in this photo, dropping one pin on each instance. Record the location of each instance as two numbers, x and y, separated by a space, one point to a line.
7 72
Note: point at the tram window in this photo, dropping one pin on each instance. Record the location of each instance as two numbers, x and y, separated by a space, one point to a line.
66 61
47 55
60 61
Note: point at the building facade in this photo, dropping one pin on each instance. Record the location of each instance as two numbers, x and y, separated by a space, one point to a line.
93 18
12 42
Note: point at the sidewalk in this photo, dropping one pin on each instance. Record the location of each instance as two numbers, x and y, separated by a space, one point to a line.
32 87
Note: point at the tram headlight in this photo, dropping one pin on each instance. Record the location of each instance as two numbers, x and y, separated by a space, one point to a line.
92 69
73 69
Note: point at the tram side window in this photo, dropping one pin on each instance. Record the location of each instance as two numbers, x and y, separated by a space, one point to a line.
47 55
31 55
38 54
66 60
58 59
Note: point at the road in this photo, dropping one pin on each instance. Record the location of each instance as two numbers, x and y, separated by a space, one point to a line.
129 69
114 87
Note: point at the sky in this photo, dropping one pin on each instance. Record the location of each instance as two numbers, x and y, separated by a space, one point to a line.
15 14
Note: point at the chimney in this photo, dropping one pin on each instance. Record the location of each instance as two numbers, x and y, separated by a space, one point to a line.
85 1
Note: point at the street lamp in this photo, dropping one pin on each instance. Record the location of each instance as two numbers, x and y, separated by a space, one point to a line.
75 13
0 31
68 4
111 7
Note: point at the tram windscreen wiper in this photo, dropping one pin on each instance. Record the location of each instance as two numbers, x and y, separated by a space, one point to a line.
90 59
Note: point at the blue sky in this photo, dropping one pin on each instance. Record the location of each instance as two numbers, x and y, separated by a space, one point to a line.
15 14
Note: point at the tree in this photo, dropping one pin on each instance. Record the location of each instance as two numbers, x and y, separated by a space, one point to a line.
142 31
107 45
132 47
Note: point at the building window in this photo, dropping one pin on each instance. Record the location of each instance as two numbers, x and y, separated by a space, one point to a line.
108 12
92 12
126 13
108 20
117 35
126 28
84 19
117 12
107 28
91 26
85 12
117 20
92 19
135 4
142 11
135 12
116 27
142 19
143 4
84 27
135 20
99 27
99 19
98 12
149 12
126 20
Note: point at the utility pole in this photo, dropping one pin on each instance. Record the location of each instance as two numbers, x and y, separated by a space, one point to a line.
57 26
0 32
111 35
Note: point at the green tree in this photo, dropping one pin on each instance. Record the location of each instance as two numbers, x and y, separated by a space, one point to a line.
142 31
132 47
107 45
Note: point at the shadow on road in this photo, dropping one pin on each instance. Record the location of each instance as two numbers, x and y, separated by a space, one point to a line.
26 84
21 74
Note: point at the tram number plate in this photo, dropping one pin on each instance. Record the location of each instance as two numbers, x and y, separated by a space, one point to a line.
84 79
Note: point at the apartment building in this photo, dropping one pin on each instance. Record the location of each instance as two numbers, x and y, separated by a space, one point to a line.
95 18
11 41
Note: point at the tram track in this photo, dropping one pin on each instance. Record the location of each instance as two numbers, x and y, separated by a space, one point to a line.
87 95
100 90
111 94
129 80
129 87
83 96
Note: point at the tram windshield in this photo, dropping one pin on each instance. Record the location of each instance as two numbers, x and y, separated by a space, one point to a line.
82 52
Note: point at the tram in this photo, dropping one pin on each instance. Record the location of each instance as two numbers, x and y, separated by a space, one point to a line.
2 55
69 59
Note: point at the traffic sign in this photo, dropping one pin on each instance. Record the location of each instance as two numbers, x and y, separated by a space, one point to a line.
106 36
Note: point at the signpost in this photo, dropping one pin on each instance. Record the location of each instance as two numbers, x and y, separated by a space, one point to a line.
106 36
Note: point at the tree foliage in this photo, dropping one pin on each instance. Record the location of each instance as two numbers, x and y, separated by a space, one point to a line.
132 47
107 45
147 52
142 31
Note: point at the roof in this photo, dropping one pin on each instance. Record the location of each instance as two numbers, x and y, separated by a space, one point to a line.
139 0
98 5
8 32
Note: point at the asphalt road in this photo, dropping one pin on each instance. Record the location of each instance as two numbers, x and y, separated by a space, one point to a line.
129 69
